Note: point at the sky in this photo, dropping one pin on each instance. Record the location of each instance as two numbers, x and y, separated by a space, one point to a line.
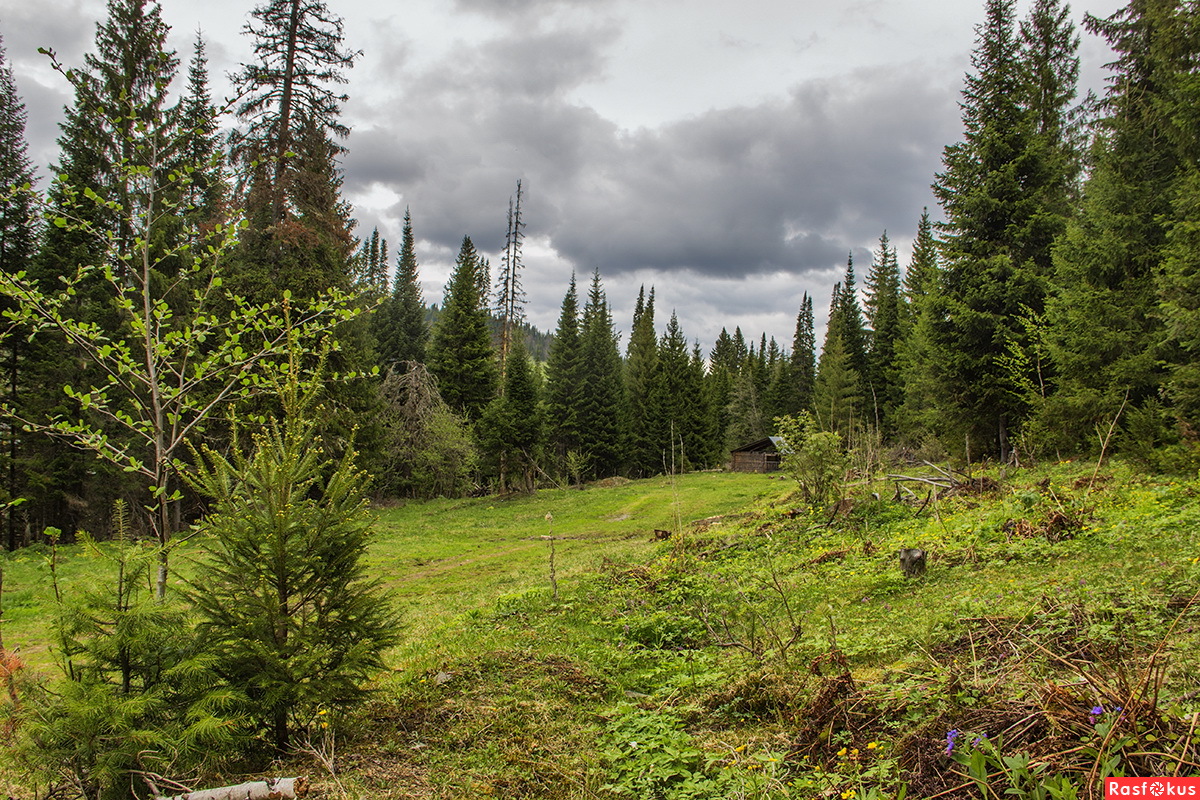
729 154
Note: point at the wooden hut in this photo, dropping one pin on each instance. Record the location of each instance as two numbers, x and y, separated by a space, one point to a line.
760 456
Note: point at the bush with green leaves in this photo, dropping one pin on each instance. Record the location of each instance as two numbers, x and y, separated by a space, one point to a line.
284 601
649 756
814 458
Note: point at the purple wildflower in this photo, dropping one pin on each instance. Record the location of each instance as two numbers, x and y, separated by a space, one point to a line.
950 737
1095 713
978 739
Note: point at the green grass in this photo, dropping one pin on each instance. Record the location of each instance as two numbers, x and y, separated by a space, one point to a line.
1046 594
445 558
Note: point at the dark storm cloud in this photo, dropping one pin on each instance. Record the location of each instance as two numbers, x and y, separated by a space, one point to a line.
456 139
785 186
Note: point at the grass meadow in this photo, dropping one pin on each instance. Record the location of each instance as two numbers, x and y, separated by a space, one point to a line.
765 649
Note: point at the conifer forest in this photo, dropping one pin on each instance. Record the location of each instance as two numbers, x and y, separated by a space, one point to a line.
218 386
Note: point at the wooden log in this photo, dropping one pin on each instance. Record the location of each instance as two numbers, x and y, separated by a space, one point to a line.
277 789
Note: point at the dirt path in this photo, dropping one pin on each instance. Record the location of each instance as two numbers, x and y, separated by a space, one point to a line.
441 567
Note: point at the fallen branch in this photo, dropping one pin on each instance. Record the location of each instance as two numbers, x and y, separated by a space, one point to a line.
278 789
941 483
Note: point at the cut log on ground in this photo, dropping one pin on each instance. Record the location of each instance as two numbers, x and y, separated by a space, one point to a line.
277 789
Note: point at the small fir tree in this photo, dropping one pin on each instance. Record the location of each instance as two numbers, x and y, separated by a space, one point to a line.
285 604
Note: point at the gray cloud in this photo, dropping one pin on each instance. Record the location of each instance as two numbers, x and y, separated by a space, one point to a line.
789 185
520 11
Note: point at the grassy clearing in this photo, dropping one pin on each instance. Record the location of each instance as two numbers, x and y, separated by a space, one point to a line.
770 654
776 651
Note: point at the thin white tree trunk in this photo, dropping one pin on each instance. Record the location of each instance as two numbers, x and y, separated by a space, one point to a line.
278 789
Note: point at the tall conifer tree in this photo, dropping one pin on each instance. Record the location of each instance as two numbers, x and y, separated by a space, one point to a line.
1179 278
641 378
292 124
17 240
200 158
401 332
884 315
803 359
602 412
122 87
511 426
837 393
510 294
682 441
564 381
923 402
848 319
718 388
460 349
1105 327
1004 192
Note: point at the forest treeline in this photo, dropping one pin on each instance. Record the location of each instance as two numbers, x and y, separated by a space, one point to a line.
1055 310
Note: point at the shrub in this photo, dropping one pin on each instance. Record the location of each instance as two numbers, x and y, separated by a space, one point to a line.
812 457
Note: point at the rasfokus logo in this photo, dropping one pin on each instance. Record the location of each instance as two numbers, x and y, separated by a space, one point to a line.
1152 787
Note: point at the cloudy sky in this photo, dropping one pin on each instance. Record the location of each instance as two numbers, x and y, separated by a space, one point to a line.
728 153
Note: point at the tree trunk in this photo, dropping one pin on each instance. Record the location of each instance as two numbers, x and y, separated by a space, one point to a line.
278 789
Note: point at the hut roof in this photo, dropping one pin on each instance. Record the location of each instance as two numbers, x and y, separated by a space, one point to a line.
769 444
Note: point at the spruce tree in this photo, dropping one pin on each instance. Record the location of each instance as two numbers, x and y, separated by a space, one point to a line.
682 441
718 389
285 602
837 388
122 86
564 381
401 332
18 235
460 348
1004 192
201 159
803 360
847 317
884 316
646 434
1106 330
511 426
602 411
371 267
923 404
299 51
837 393
119 98
299 234
707 449
920 277
1179 278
